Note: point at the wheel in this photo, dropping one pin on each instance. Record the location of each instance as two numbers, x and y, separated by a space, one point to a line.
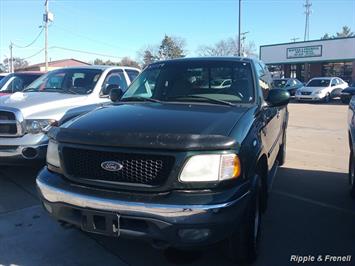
281 156
242 245
345 100
352 175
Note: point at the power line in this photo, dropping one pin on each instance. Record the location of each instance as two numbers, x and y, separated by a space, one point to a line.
31 43
85 37
37 53
84 52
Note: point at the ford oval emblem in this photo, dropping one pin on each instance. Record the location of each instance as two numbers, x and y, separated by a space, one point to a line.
111 166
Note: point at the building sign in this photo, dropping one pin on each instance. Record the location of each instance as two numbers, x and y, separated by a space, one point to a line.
306 51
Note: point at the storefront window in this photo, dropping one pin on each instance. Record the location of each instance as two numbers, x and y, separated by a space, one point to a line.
342 70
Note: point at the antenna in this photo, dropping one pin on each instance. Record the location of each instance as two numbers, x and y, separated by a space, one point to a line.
308 11
294 39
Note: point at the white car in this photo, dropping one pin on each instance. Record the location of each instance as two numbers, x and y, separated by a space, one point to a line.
25 116
321 89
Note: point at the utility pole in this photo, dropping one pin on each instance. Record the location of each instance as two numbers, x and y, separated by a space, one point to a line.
239 32
45 18
11 63
308 11
294 39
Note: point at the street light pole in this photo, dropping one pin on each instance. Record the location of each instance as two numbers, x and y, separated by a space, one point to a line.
239 32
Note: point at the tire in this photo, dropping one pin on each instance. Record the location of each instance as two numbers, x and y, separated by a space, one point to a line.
242 245
352 175
345 100
281 156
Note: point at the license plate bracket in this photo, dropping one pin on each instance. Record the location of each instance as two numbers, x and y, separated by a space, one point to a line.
101 223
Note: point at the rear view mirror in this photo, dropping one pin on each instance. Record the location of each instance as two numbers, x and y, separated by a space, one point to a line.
115 95
278 97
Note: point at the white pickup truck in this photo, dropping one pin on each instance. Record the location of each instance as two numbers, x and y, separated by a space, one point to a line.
26 116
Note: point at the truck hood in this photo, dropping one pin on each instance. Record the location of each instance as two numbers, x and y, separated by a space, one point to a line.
154 125
42 105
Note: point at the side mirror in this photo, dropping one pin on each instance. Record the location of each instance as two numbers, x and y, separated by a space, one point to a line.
115 95
349 90
109 88
278 97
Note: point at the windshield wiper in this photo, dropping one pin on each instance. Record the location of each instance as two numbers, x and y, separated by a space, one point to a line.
29 89
69 91
211 100
140 98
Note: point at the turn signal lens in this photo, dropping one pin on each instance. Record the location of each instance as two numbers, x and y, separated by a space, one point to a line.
230 167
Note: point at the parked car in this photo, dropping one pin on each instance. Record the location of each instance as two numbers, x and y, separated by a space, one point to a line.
3 75
290 84
347 93
321 89
26 116
173 161
17 81
351 134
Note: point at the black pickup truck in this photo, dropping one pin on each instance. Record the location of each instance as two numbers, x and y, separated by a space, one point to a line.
184 158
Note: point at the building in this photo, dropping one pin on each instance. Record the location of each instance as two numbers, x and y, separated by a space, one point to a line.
55 65
305 60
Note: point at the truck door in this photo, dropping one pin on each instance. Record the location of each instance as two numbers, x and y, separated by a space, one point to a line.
272 118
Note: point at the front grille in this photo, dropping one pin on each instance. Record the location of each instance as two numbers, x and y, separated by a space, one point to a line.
144 169
8 129
7 115
306 93
8 123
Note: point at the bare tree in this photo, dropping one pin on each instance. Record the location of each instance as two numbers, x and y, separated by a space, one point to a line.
126 61
18 63
227 47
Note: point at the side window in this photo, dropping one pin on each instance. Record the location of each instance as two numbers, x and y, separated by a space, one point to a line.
16 85
334 82
340 81
113 79
132 74
263 80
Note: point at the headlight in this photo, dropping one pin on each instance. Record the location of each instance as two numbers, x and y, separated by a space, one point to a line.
53 154
318 92
211 167
35 126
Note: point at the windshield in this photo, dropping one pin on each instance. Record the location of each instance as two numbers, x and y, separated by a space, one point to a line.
280 83
318 83
71 81
194 81
16 82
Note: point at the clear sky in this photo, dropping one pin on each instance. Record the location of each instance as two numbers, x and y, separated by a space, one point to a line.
122 27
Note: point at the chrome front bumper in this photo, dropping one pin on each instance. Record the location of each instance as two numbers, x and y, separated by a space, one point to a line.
12 149
308 97
70 202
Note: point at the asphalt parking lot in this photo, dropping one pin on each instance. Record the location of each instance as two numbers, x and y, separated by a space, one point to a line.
310 210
